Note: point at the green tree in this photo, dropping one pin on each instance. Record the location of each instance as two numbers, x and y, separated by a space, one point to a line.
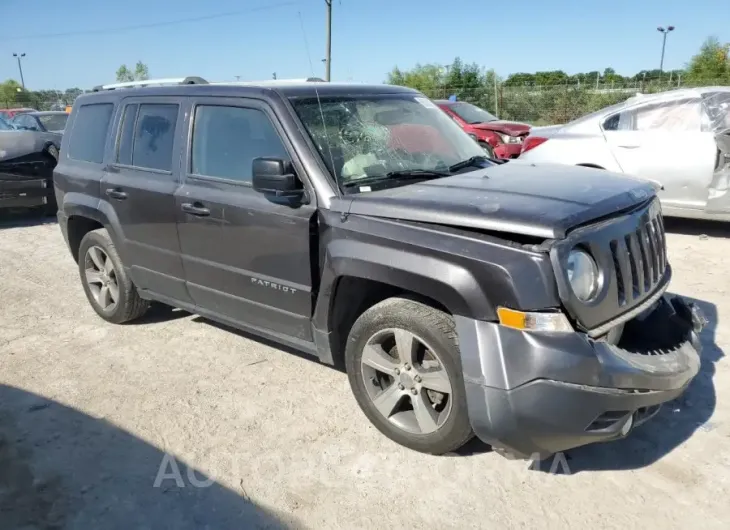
140 73
520 79
424 77
10 93
711 64
554 77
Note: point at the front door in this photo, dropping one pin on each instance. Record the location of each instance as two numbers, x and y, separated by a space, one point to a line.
246 256
139 185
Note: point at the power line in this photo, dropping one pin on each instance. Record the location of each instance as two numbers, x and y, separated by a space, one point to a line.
122 29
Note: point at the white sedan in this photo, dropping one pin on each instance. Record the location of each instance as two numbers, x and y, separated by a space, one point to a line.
679 138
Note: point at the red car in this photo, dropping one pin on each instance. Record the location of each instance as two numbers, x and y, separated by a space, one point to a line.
502 138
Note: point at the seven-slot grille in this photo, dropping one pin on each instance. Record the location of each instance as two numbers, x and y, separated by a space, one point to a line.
640 259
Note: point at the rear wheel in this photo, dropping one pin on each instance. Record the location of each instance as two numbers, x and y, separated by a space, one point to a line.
108 288
404 367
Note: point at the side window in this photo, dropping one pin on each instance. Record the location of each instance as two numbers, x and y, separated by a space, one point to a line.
26 122
154 134
227 139
124 152
611 124
88 135
623 121
674 116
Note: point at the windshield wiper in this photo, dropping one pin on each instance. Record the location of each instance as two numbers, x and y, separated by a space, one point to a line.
398 175
418 173
474 161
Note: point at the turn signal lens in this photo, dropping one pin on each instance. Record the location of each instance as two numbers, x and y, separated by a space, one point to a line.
527 321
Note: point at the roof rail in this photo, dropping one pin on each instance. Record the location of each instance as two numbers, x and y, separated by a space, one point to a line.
270 82
192 80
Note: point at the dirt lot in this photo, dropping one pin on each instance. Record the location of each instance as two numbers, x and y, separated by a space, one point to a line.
94 416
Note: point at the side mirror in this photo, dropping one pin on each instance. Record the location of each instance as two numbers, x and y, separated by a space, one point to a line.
274 176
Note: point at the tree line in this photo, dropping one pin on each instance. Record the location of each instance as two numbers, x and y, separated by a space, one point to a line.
12 94
539 97
555 96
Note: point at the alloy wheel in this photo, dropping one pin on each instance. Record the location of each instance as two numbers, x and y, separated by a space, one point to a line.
101 278
406 381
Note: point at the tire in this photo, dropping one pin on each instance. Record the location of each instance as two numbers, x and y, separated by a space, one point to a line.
435 331
53 151
51 207
488 148
127 305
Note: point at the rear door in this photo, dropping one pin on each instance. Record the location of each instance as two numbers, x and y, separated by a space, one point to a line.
666 142
139 184
247 257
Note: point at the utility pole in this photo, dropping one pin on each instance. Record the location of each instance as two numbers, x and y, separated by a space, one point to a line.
328 59
20 67
496 96
664 32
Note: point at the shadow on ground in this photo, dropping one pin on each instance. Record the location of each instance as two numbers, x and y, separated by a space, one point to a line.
159 313
25 218
62 469
675 423
696 227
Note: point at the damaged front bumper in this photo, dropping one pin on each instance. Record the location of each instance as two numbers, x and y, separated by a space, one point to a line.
531 393
25 193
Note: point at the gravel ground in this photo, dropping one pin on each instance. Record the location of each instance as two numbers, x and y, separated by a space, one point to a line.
93 416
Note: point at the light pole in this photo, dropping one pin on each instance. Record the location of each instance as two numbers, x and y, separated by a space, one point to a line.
20 67
328 60
664 33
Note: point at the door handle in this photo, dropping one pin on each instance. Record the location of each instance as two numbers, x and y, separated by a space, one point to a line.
632 146
116 193
195 209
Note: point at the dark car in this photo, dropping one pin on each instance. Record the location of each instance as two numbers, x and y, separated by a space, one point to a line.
503 138
27 159
360 225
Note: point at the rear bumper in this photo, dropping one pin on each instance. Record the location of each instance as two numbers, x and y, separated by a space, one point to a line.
25 193
564 390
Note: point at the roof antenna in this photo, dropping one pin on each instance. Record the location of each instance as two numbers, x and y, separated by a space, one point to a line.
306 44
319 102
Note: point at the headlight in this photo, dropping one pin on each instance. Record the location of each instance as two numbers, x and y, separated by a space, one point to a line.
582 274
506 138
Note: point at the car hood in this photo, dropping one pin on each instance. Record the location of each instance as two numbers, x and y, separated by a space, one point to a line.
14 144
541 200
512 128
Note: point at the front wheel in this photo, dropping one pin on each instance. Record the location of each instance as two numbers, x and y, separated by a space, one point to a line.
53 151
404 367
488 148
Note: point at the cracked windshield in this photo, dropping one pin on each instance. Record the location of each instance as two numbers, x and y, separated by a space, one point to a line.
385 138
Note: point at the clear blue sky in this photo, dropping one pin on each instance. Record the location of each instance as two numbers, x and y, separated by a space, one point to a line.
369 36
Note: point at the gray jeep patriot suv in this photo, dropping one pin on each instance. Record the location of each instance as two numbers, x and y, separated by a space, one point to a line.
357 223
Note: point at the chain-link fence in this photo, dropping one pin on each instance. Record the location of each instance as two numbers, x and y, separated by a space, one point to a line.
534 104
553 104
45 100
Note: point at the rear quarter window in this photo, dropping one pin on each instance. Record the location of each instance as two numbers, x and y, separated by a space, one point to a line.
89 132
